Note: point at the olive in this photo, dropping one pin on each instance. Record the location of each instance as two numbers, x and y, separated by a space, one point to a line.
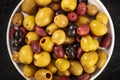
76 45
16 47
62 64
54 6
59 51
23 30
70 52
12 31
15 57
35 47
18 34
79 52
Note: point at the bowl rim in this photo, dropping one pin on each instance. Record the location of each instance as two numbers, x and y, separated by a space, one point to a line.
93 76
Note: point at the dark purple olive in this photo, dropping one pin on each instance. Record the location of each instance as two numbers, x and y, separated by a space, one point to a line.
35 47
79 52
70 52
71 32
84 76
40 31
64 78
17 47
72 26
23 30
59 51
12 31
76 45
18 34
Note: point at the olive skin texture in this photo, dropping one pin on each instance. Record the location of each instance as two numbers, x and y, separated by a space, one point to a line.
29 22
46 44
61 20
89 59
58 37
40 59
17 19
43 74
68 5
98 28
29 6
31 36
62 64
25 51
29 70
76 68
102 58
44 16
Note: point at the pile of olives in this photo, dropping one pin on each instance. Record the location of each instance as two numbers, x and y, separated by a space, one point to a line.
59 39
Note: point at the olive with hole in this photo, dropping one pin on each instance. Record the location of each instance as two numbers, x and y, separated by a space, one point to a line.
29 6
31 36
42 59
46 43
25 54
58 37
92 10
17 19
29 70
76 68
29 22
43 74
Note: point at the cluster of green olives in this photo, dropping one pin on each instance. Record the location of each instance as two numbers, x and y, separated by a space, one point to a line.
59 39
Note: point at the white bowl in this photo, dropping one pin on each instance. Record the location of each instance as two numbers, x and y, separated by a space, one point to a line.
109 51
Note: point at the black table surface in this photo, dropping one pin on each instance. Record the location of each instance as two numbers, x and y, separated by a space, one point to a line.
7 69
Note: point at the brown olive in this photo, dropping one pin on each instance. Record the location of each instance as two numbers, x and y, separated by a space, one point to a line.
15 57
54 6
17 19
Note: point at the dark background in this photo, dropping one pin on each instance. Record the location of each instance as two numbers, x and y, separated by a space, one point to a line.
8 71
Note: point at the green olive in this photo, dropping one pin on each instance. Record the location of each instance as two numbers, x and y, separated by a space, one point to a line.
61 21
89 59
90 69
102 58
64 73
42 59
82 20
58 37
51 67
62 64
51 28
29 22
29 70
92 10
98 28
89 43
31 36
46 43
25 54
43 74
76 68
102 17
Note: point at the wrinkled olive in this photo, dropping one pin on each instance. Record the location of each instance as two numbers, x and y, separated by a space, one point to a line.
70 52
